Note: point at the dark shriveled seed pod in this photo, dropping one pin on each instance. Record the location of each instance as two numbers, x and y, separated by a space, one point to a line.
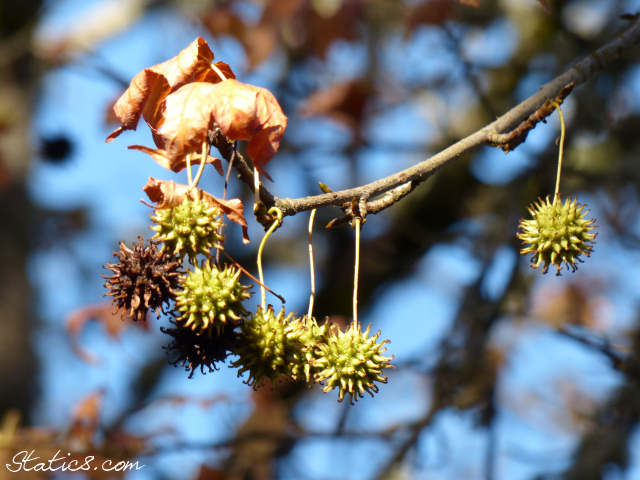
193 349
143 279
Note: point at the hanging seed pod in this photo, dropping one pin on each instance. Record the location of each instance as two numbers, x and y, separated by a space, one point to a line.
143 279
193 350
190 228
557 234
211 298
264 345
274 346
351 361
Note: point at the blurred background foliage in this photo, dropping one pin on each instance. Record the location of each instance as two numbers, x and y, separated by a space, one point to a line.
501 372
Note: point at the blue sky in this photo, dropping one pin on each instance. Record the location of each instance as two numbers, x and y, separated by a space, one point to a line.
415 314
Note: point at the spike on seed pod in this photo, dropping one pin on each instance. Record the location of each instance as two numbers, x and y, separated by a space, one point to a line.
211 297
143 279
190 228
351 361
193 350
557 234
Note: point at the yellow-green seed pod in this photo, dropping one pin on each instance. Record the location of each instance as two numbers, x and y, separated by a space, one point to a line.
262 346
190 228
557 234
211 298
351 361
274 346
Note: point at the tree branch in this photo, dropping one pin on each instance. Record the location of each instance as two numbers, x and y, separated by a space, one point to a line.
402 183
510 140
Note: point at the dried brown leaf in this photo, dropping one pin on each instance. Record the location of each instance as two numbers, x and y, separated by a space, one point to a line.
222 20
226 71
165 193
87 410
242 111
576 303
177 164
141 98
192 64
234 210
186 120
114 322
343 101
260 42
149 87
85 419
247 112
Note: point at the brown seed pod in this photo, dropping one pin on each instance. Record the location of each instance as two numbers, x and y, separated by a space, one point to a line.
143 279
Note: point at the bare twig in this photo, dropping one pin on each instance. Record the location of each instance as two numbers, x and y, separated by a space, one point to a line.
510 140
515 123
626 364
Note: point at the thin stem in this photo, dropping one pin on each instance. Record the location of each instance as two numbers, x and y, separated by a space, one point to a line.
189 176
228 175
256 185
278 213
312 272
356 269
560 151
226 188
203 162
252 277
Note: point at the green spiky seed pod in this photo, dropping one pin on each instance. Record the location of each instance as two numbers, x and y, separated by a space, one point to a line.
262 347
211 297
557 234
351 361
274 346
190 228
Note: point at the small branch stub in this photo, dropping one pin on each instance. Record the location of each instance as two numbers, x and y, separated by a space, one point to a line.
510 140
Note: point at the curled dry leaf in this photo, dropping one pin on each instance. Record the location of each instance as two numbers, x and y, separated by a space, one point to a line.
242 111
141 98
149 87
84 419
344 101
247 112
180 163
114 323
166 194
233 209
